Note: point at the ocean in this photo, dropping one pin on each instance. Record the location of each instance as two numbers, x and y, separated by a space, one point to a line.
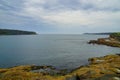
63 51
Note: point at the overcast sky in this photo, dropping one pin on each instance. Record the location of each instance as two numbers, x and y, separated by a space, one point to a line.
61 16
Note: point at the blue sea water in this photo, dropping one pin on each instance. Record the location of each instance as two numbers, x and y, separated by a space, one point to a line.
61 51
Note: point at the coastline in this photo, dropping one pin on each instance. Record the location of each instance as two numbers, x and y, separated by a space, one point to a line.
98 68
105 41
113 40
4 32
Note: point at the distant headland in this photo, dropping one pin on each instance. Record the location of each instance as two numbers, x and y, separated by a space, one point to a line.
104 33
16 32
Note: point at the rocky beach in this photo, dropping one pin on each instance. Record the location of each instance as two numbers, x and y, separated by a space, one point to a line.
99 68
113 40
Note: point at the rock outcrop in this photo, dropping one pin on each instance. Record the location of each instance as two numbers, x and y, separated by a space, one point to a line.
113 40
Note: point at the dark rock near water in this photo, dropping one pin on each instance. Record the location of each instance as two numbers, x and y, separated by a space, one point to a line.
106 41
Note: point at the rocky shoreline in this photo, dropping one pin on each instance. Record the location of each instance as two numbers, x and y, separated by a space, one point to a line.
99 68
106 41
112 40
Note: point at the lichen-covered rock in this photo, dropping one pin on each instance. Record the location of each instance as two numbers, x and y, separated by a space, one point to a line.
100 68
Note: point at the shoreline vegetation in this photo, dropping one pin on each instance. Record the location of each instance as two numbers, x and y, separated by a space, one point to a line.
99 68
113 40
16 32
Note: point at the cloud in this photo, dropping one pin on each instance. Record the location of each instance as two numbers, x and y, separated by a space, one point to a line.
84 18
67 14
101 4
87 13
7 13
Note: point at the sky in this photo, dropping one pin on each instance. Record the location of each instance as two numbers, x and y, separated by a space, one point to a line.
61 16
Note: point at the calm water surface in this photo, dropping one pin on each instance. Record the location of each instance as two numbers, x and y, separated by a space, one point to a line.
61 51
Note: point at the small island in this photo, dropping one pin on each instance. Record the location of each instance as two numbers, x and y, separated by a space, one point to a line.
16 32
113 40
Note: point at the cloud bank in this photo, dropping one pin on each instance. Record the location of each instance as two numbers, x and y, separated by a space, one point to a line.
73 13
85 12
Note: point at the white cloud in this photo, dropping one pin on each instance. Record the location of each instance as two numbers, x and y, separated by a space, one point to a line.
36 9
84 18
101 4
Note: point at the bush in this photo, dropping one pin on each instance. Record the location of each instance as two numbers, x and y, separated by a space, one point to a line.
115 35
